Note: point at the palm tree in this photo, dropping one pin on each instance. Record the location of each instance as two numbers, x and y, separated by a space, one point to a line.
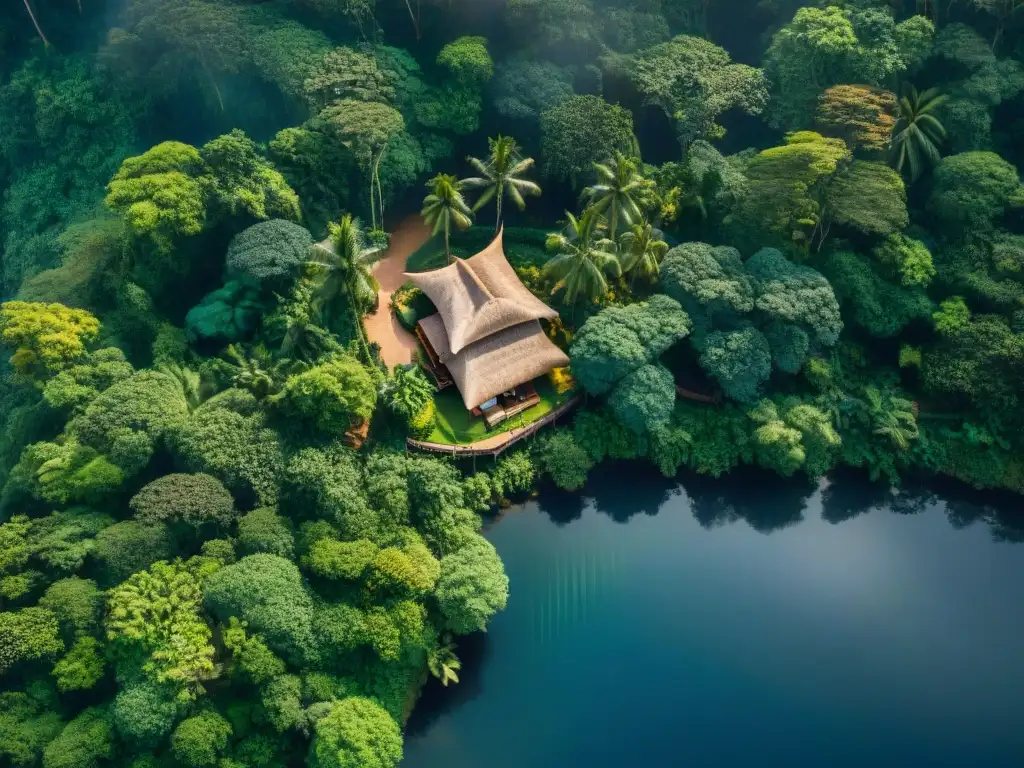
917 135
406 391
299 323
500 175
641 251
256 370
251 372
584 257
444 206
344 260
897 421
444 664
191 382
616 191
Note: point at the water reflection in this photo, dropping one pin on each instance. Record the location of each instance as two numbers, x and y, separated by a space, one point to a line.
769 503
846 496
618 490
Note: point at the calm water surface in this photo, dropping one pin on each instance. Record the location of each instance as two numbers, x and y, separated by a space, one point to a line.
743 623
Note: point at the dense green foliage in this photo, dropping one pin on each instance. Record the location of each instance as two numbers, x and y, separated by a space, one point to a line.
794 242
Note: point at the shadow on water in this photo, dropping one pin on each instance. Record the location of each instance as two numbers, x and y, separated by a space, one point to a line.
562 506
624 489
765 501
437 700
768 503
849 493
1002 512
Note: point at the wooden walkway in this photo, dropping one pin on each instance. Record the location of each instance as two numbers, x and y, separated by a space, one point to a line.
493 446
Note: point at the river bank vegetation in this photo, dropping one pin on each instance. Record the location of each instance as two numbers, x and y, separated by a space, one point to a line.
794 243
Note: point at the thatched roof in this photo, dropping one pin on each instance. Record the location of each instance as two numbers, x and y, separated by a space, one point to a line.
495 364
480 296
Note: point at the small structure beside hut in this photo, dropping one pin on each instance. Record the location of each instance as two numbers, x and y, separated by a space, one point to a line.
486 336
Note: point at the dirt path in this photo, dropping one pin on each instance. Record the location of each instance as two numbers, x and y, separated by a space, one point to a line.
396 344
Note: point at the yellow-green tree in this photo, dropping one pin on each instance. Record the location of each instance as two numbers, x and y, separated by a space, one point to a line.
46 338
161 193
786 186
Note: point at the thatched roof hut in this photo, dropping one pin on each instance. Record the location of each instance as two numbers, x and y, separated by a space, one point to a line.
486 330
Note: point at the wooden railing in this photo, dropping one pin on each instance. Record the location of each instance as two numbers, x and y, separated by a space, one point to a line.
495 445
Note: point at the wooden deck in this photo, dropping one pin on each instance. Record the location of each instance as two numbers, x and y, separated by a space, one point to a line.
438 371
493 446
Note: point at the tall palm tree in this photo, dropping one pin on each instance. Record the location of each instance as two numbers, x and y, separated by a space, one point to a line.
344 261
617 191
500 175
641 250
917 135
444 206
584 258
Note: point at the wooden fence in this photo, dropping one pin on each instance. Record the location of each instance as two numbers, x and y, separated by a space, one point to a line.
494 446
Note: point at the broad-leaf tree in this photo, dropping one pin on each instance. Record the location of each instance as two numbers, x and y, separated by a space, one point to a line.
694 82
823 47
862 115
365 128
582 131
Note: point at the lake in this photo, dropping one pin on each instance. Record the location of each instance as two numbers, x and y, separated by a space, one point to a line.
743 622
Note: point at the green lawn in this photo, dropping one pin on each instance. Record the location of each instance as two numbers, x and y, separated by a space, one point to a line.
457 426
523 247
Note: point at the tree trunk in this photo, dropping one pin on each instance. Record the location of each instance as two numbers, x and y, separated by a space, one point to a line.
216 90
415 21
497 223
380 191
447 250
357 318
373 204
36 23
